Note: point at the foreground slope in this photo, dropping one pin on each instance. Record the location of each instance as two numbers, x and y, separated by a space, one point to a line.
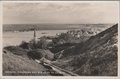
96 56
19 63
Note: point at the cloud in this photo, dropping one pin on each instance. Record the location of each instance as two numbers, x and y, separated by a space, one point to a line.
76 13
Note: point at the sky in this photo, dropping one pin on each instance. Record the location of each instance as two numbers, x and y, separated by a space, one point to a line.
82 12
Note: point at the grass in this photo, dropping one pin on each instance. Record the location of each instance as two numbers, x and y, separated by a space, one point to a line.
15 63
95 57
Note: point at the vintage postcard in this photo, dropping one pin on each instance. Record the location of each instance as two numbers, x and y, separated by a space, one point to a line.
62 39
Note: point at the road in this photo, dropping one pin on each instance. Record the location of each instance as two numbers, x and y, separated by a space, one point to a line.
56 71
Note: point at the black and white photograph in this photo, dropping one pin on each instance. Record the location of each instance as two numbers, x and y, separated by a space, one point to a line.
62 38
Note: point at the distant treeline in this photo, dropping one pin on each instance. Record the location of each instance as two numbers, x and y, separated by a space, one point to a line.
30 27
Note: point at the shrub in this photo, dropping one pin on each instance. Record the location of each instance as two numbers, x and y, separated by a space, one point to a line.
24 45
39 53
42 43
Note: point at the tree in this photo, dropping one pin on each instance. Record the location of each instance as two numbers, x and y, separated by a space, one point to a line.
43 43
24 45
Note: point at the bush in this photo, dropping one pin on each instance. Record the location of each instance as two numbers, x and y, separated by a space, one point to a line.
39 53
34 54
24 45
63 38
42 43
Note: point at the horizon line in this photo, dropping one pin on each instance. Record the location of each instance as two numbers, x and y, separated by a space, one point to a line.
61 23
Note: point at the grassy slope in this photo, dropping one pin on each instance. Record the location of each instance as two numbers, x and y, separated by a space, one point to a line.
85 32
96 56
12 62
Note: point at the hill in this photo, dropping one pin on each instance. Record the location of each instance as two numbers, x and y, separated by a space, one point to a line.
96 56
18 65
21 62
